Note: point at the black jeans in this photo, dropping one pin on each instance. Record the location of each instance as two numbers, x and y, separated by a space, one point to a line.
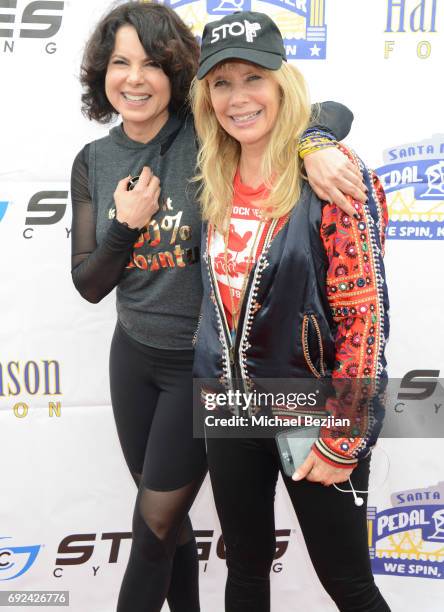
243 475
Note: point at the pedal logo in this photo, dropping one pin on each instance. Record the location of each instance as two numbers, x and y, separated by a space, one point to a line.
408 539
16 560
301 22
413 179
3 208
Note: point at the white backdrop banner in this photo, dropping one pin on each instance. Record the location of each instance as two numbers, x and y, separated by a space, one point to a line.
67 498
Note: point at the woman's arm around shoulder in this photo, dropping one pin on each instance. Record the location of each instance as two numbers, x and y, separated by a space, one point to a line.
330 173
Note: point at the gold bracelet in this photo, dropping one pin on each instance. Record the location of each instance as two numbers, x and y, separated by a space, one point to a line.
307 151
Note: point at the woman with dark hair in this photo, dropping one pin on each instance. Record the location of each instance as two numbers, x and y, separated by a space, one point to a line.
145 241
139 64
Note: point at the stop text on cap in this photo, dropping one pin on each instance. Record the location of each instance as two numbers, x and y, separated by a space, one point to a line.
236 28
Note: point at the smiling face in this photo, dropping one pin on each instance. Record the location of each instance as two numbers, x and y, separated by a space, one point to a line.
246 101
137 87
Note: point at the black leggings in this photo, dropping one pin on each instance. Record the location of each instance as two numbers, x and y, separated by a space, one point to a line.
152 398
243 475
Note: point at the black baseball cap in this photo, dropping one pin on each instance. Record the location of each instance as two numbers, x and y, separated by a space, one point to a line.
245 35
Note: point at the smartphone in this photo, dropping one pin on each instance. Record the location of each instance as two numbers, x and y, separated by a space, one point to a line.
294 445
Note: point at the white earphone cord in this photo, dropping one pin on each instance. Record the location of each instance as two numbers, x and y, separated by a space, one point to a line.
358 500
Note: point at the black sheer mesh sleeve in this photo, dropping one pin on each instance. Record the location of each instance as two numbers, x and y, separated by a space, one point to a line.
95 270
332 117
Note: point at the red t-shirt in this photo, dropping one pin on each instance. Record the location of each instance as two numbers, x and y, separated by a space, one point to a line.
246 237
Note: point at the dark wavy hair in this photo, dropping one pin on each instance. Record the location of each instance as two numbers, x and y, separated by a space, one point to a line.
166 40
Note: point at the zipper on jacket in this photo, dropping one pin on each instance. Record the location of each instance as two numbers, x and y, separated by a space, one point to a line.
229 347
247 306
194 339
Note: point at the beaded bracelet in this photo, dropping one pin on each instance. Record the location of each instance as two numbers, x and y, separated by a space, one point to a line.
315 140
307 151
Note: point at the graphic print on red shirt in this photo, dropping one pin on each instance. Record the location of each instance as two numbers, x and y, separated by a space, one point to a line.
245 237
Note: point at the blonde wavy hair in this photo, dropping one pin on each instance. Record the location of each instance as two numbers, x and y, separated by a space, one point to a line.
219 153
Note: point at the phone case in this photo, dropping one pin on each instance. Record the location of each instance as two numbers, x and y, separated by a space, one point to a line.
294 444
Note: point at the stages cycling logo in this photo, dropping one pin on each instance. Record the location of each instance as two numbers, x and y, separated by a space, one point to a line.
413 179
29 20
45 208
301 22
88 548
16 560
408 539
207 541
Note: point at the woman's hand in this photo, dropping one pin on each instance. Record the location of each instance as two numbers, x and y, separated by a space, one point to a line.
136 207
317 470
332 176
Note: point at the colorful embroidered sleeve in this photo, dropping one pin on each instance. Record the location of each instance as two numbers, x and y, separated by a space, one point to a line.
357 294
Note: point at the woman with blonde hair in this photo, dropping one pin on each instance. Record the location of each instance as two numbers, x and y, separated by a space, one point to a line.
293 288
